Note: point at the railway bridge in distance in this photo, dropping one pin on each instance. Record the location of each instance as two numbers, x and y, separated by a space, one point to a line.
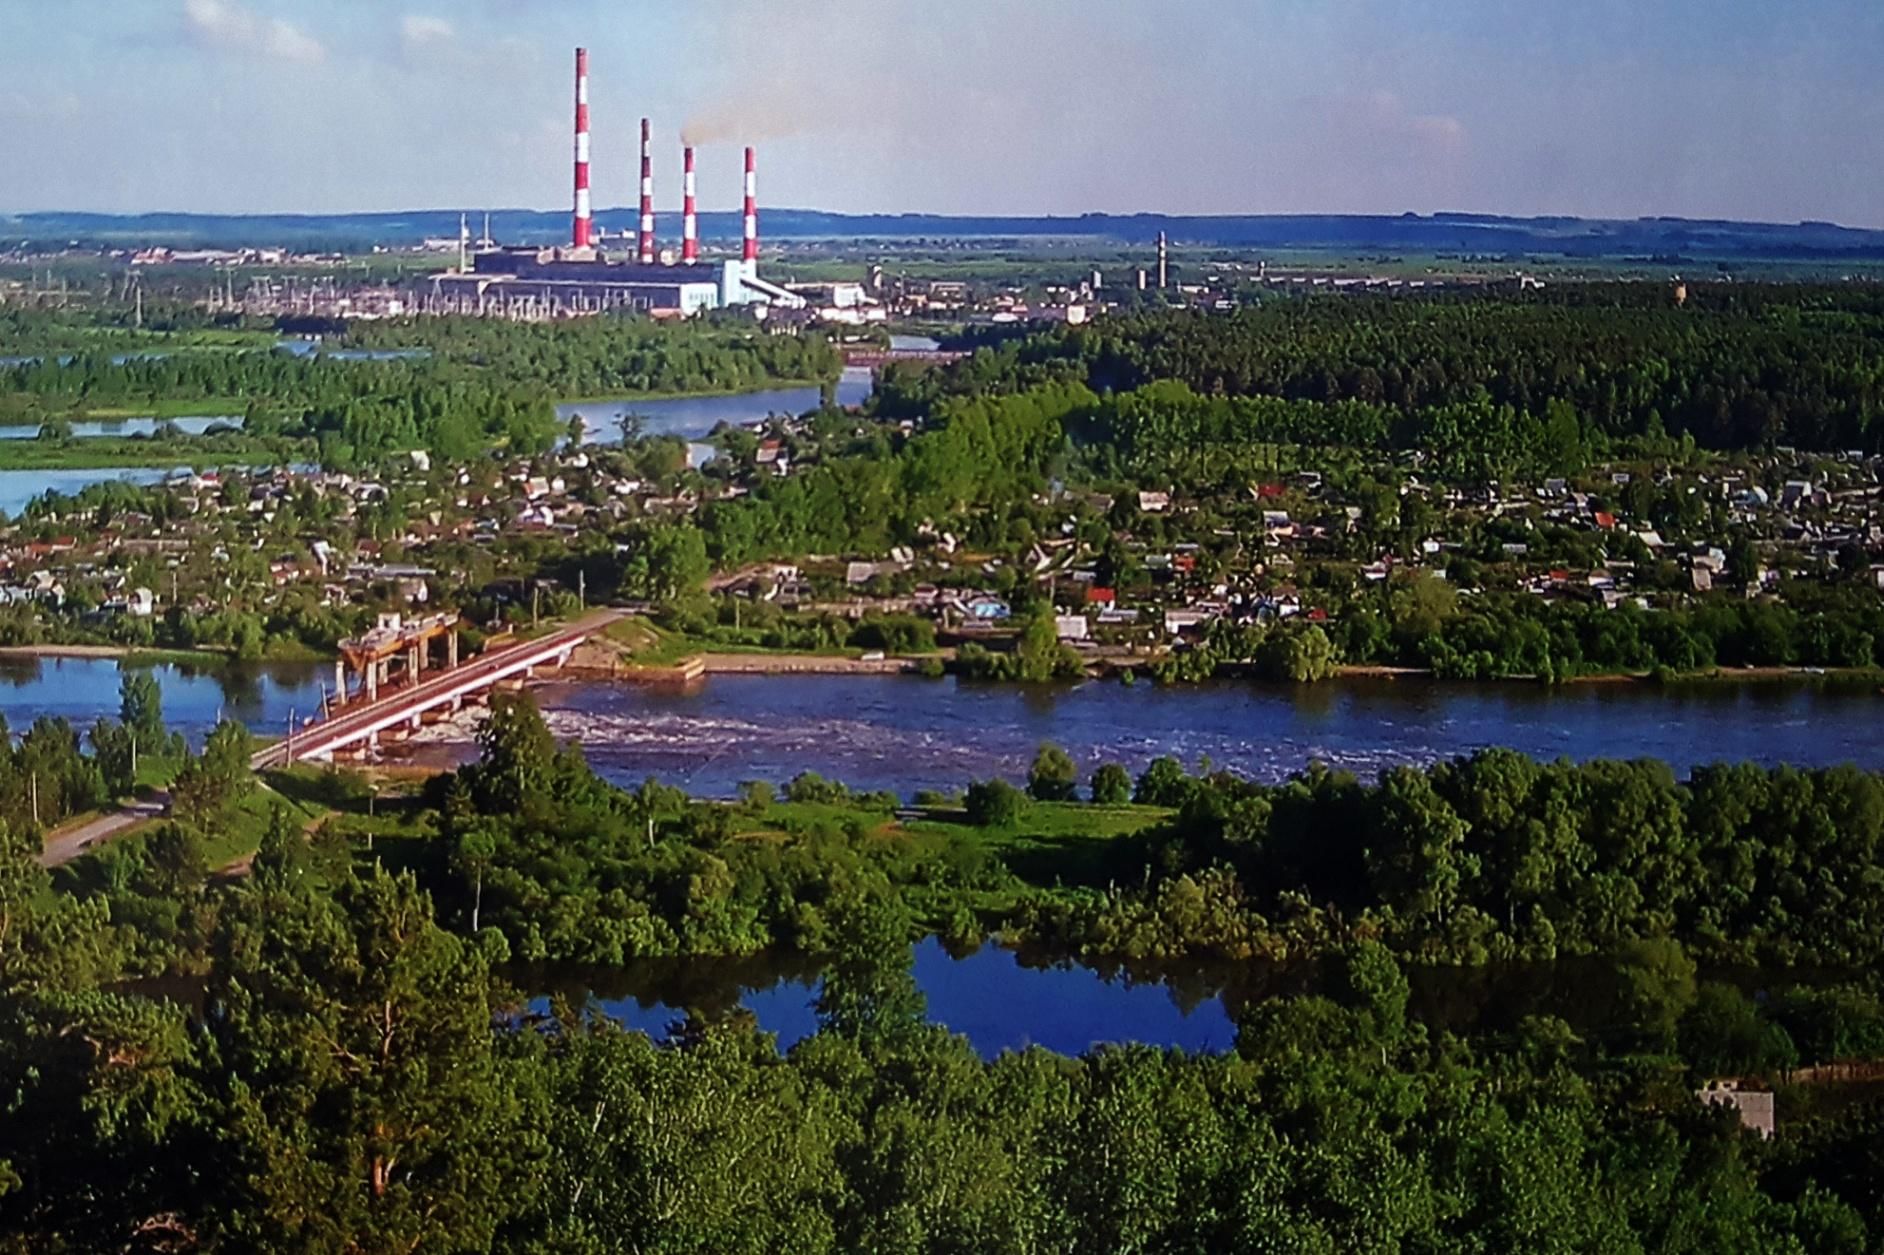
397 691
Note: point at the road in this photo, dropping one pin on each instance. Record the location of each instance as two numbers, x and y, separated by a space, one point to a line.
68 843
435 685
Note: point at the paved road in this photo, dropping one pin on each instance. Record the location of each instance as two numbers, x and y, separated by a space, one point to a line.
434 684
68 843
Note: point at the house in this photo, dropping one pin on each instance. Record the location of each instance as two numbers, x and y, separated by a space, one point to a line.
1178 622
1072 627
1096 596
1754 1108
1154 502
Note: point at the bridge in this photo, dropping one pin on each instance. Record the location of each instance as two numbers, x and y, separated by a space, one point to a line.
358 725
877 357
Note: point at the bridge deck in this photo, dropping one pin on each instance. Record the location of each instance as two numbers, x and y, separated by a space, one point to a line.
360 722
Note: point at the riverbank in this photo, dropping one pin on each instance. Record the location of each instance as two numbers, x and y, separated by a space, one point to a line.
133 655
280 651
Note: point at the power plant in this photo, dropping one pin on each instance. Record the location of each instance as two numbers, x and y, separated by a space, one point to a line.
586 278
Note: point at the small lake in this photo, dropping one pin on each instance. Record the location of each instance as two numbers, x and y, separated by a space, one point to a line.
695 417
989 996
189 425
1003 1000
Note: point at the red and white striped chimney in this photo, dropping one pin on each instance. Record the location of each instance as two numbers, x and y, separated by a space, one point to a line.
689 219
752 208
579 235
647 195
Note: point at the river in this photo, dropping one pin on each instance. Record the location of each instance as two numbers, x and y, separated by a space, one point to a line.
906 733
695 417
688 417
188 425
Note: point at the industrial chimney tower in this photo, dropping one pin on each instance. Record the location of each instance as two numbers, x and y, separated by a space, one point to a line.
580 236
647 195
689 218
751 255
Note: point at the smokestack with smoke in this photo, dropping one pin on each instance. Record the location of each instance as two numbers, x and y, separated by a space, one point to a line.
689 218
751 255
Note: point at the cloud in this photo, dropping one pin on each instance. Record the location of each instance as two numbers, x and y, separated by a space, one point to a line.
226 25
418 32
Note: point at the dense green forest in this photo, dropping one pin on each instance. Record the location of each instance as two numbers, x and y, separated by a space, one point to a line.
1737 366
596 357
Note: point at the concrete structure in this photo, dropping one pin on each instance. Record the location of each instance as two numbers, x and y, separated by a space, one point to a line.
689 214
541 283
580 236
358 727
645 251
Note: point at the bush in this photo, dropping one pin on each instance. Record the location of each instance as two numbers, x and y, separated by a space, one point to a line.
756 795
1054 777
1111 785
994 803
809 786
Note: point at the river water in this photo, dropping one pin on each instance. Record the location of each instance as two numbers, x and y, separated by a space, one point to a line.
906 733
188 425
695 417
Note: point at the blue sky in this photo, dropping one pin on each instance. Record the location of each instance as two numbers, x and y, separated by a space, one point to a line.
1764 109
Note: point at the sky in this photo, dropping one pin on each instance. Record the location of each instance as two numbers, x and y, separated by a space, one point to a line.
1768 110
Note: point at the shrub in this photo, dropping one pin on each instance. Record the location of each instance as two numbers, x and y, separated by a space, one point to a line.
994 803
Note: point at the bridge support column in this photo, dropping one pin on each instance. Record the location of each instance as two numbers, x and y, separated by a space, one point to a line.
372 681
415 661
417 722
451 648
340 681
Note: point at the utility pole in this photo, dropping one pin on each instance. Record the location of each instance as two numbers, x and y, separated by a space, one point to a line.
35 779
582 588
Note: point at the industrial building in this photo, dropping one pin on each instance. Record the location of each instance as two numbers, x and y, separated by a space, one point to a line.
583 278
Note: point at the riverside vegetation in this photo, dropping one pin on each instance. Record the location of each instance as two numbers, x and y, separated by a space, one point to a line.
345 1066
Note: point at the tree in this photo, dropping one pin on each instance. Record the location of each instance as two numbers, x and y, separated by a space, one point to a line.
354 1087
1111 785
1054 776
994 803
1302 657
1163 783
141 709
471 856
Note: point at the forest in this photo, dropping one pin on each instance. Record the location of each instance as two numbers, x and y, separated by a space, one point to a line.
453 387
1736 366
338 1056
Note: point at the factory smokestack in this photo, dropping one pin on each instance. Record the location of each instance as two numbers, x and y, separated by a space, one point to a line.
1164 263
751 254
579 235
689 218
647 195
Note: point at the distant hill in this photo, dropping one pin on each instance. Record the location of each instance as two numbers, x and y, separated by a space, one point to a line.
1451 232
